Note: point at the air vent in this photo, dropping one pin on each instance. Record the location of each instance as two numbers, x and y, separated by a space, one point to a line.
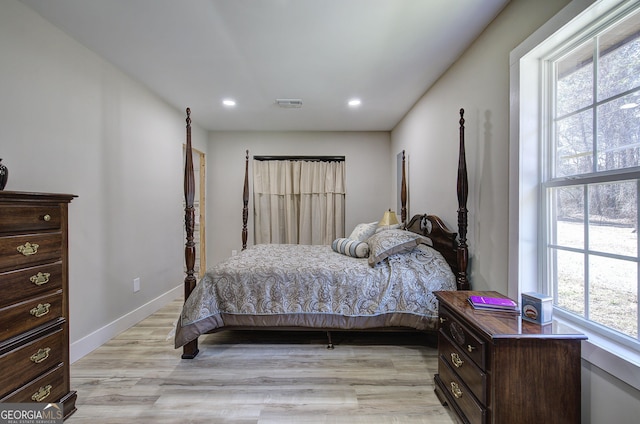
289 103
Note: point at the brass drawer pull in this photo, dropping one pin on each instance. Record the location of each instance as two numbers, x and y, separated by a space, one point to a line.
40 356
455 359
40 310
40 278
47 217
42 393
471 348
455 390
28 249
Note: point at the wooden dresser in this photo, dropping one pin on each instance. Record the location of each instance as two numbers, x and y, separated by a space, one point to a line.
495 368
34 299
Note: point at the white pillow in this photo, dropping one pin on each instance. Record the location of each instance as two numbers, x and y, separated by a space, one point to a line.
349 247
363 231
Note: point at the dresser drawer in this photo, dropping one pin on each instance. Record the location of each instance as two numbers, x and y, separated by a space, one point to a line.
24 316
30 282
49 387
19 218
27 249
474 378
28 361
457 391
468 341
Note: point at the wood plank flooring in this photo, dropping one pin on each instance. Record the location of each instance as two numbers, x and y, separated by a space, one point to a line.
257 378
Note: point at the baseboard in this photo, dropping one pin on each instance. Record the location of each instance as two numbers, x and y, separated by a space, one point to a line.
87 344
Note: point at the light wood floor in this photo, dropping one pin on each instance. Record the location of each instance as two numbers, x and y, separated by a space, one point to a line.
256 377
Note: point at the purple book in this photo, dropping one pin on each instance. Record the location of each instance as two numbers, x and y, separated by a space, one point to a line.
492 302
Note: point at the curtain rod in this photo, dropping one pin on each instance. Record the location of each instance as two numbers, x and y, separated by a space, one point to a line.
303 158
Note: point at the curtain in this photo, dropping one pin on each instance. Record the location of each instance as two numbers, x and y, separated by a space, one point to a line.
298 202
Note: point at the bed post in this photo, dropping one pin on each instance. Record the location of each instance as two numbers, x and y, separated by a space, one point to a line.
403 192
463 192
190 350
245 201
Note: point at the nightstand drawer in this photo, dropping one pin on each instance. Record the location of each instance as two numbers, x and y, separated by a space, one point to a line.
472 345
19 218
30 360
24 316
457 391
26 249
49 387
30 282
459 362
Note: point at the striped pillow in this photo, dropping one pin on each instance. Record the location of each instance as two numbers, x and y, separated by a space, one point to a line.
349 247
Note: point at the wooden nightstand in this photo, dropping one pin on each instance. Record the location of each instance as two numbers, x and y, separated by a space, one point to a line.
495 368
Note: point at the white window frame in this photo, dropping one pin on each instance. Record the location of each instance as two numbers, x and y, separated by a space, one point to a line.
527 128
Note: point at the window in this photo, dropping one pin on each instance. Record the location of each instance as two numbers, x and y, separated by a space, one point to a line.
574 162
591 179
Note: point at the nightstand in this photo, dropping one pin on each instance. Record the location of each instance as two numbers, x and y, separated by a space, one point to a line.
495 368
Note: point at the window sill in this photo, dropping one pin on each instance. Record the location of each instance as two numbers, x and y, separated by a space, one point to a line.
619 361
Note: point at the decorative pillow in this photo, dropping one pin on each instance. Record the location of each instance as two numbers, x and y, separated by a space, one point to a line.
349 247
363 231
388 227
389 242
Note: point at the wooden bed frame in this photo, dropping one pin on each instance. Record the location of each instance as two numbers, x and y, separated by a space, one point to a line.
452 246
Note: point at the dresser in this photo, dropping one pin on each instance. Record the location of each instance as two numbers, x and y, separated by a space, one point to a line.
493 367
34 299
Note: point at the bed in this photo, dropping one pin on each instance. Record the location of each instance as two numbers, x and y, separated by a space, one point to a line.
376 279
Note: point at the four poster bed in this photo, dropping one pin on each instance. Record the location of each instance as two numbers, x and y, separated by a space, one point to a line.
376 279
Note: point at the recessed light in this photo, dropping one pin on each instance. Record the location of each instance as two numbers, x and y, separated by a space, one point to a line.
354 102
629 105
229 102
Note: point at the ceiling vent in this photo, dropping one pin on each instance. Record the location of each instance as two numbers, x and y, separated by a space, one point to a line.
289 103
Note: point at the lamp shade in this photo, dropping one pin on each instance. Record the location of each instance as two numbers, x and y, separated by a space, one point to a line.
389 218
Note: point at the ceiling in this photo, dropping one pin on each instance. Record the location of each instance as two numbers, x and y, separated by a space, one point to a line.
195 53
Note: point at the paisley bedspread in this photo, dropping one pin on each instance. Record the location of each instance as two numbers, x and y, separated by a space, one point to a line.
274 285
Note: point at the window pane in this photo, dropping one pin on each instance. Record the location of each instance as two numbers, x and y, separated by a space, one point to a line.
618 134
619 61
574 145
612 218
569 217
574 80
613 294
589 166
569 268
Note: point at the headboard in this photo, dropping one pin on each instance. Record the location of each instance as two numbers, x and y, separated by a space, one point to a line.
444 241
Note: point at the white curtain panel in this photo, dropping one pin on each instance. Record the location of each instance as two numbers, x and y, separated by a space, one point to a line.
298 201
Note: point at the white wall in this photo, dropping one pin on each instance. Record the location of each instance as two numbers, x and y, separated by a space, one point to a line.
72 123
368 188
479 82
